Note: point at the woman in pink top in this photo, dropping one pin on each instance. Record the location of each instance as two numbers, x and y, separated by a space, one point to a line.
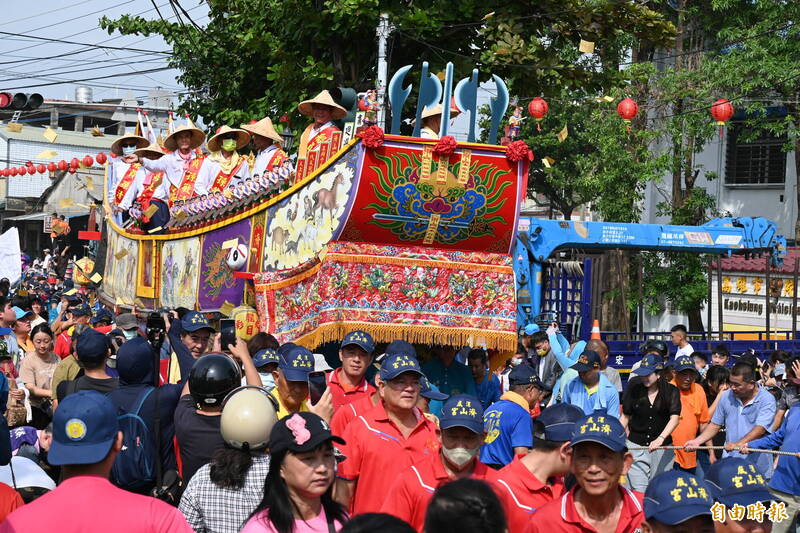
297 491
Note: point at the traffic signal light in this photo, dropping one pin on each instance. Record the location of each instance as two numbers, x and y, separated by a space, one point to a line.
21 101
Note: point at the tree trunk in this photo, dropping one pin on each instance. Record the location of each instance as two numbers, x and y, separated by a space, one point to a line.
696 319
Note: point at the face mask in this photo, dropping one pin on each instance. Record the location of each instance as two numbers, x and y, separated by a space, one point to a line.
128 150
460 456
541 353
229 145
129 334
516 361
267 380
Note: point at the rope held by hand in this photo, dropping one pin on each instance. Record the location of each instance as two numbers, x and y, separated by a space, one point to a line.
755 450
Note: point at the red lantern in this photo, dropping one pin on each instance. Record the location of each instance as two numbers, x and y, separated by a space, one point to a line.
51 166
722 111
40 168
627 109
538 108
88 161
4 172
74 163
62 165
101 158
28 163
13 171
31 170
71 170
22 170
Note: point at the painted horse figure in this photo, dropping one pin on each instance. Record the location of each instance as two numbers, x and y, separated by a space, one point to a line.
326 198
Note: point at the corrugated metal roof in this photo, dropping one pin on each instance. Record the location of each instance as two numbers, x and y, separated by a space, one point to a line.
738 263
65 137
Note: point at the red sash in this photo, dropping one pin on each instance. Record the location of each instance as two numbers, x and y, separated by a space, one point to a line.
125 182
222 180
277 160
306 145
186 190
149 190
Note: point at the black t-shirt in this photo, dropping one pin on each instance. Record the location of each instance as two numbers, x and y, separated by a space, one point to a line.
103 386
198 436
646 420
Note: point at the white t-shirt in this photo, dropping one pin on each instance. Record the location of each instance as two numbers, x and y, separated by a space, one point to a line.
686 350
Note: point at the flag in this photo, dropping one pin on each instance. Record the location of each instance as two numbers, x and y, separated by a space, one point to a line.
150 135
170 124
139 126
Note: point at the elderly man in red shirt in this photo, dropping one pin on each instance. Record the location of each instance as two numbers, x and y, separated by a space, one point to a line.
348 382
461 424
387 440
533 479
597 503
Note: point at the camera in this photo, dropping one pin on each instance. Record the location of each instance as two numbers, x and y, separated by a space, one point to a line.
156 330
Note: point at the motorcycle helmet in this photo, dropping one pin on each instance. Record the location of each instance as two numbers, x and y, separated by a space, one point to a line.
657 345
248 415
212 377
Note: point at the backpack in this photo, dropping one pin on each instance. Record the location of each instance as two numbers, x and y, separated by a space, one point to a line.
134 467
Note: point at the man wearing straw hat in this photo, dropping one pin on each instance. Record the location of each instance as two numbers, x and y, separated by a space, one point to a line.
324 111
432 120
268 142
153 191
122 174
224 166
182 165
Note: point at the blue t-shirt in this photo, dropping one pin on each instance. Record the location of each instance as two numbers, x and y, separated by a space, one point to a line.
507 425
488 390
739 419
451 380
786 477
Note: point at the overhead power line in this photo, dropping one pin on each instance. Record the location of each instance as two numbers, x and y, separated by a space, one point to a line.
60 82
100 46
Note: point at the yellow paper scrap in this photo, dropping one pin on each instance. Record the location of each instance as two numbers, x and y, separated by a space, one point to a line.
14 127
154 229
119 255
65 203
50 135
587 47
548 162
488 15
97 278
226 308
89 183
150 211
120 301
230 243
70 292
563 134
96 132
606 99
47 154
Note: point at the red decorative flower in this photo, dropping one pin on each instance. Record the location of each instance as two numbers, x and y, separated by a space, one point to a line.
518 151
371 137
446 146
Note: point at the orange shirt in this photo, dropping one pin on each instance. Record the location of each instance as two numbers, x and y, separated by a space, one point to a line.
342 394
694 411
410 495
377 453
524 493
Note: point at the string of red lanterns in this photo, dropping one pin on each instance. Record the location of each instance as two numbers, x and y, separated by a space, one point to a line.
29 168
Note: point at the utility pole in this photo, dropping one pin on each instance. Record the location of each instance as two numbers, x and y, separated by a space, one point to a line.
383 31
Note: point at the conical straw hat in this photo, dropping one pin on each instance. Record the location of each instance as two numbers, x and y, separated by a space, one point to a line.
264 128
153 151
215 142
323 98
197 137
116 146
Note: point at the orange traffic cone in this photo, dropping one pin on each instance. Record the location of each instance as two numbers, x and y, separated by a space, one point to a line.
595 330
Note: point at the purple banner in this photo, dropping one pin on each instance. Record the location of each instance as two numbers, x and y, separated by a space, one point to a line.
217 283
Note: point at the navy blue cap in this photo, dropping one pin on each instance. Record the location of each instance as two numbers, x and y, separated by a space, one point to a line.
462 410
734 480
395 364
361 339
674 497
80 310
84 429
684 362
650 363
524 374
600 428
193 321
265 356
428 391
91 346
295 362
588 360
401 346
102 314
557 422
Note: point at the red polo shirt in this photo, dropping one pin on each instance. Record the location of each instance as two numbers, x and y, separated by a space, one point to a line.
349 412
377 453
525 494
560 516
342 395
411 493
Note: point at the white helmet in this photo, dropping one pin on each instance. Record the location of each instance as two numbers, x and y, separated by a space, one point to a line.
248 415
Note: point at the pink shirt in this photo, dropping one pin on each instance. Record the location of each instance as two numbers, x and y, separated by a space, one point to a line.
259 524
85 504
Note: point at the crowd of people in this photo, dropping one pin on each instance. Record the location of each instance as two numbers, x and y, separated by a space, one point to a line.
127 422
